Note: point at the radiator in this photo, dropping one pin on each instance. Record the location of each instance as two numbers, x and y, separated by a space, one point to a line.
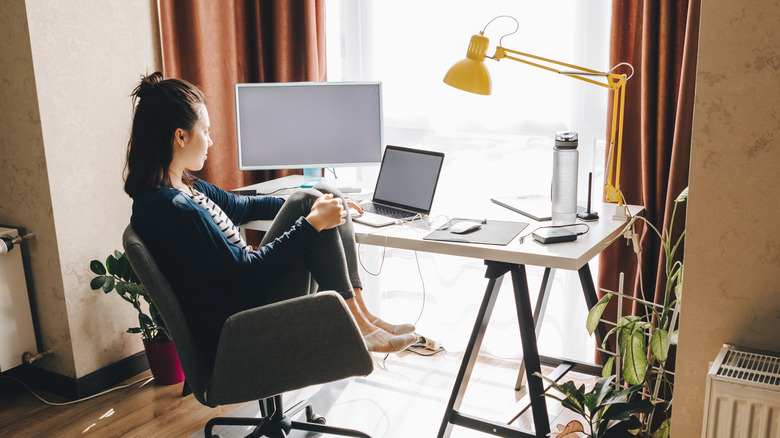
743 395
17 334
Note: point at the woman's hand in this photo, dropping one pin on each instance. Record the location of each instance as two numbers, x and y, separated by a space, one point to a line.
326 213
351 203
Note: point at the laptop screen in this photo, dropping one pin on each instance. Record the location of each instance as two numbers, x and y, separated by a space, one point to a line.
408 177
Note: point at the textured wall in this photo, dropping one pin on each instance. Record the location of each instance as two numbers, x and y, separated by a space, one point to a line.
25 199
732 254
75 64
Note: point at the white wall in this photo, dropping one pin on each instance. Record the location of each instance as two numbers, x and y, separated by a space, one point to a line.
65 120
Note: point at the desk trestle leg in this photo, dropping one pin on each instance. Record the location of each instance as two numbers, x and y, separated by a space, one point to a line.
495 274
530 350
539 311
591 299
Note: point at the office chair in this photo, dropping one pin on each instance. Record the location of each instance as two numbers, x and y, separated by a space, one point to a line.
262 352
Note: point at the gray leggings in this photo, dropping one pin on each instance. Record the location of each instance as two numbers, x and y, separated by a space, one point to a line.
331 265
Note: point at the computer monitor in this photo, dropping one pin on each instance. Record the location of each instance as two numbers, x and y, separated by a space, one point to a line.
300 125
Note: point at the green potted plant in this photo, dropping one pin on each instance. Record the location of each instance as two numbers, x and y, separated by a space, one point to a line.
117 275
645 342
644 345
608 411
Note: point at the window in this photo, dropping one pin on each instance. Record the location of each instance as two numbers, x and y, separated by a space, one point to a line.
503 140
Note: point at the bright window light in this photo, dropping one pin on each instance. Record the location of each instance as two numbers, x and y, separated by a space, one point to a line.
504 139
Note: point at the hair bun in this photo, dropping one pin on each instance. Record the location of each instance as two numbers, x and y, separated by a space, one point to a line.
148 84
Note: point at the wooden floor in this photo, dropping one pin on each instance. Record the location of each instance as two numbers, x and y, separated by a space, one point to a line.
404 397
149 411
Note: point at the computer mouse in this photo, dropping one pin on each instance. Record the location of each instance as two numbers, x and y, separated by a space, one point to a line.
465 227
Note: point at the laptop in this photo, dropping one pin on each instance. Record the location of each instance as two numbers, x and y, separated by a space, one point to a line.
404 188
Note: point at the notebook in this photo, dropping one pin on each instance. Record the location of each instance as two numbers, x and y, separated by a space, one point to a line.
404 188
536 207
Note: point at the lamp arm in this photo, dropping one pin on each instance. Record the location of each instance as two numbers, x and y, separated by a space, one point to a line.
616 141
614 82
501 53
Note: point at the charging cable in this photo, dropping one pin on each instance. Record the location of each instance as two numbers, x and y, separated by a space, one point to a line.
277 191
384 247
382 263
144 379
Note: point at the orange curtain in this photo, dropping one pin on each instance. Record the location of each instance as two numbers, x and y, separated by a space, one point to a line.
215 44
660 39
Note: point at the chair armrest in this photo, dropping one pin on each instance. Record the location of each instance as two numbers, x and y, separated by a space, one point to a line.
287 345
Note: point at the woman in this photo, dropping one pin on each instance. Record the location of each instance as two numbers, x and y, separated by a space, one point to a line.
189 226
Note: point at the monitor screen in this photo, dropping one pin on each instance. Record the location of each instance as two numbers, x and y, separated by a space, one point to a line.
294 125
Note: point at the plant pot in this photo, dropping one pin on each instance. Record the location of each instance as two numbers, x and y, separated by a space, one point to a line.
164 362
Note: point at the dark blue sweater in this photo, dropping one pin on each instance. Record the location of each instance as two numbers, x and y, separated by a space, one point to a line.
212 277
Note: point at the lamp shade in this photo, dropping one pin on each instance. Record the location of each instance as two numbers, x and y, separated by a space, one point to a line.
471 74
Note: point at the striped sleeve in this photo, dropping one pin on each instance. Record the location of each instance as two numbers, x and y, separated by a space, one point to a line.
231 232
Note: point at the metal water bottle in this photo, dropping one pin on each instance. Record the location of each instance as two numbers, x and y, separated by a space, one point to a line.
564 181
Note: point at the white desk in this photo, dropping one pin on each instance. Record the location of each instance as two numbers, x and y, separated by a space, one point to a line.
571 256
500 260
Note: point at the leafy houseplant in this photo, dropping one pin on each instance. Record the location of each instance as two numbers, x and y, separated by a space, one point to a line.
117 274
644 341
609 412
638 369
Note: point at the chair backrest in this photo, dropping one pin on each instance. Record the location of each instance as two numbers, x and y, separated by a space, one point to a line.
197 371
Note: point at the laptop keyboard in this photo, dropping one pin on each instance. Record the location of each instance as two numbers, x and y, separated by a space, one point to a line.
395 213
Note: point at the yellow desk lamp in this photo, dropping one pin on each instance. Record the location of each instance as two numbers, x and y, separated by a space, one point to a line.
471 74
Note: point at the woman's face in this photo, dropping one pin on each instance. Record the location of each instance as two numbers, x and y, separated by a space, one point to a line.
192 146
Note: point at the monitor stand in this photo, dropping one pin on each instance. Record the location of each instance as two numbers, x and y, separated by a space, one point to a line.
313 176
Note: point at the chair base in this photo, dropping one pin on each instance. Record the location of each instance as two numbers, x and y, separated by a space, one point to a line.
276 423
